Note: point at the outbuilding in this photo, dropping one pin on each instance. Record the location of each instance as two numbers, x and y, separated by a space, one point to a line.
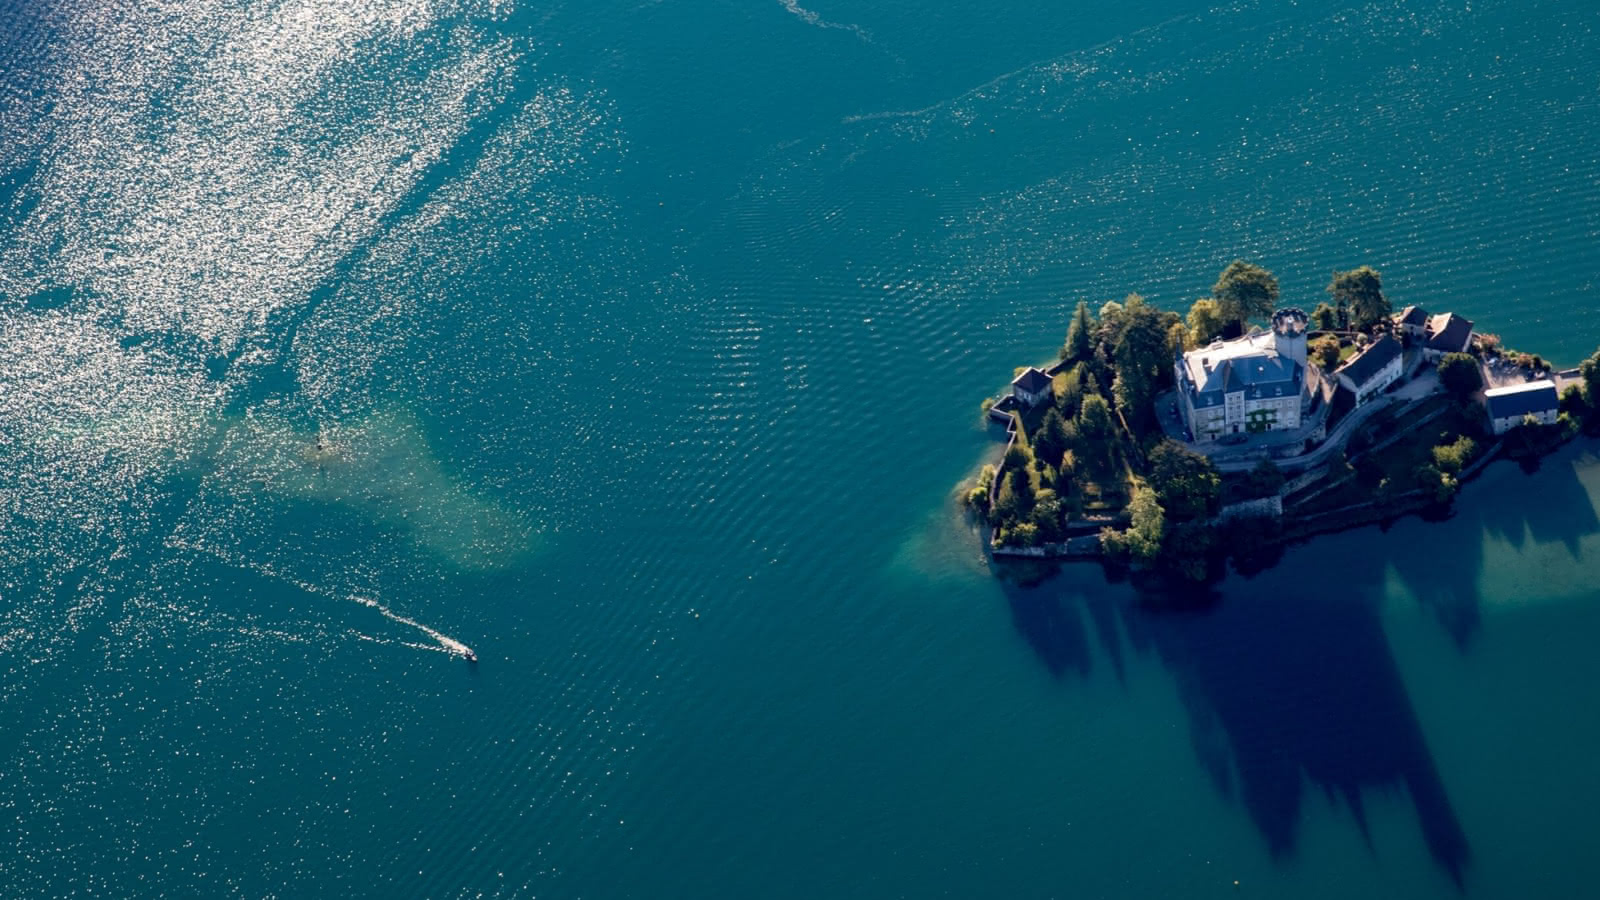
1413 321
1509 406
1447 333
1031 387
1373 369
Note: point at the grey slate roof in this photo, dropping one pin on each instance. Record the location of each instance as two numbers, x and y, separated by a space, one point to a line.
1032 380
1521 399
1448 332
1255 369
1412 315
1361 368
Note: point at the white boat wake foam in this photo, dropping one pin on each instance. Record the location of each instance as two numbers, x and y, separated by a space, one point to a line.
441 642
444 642
811 18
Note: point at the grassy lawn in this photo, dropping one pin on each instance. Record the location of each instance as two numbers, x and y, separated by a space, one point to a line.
1110 496
1398 461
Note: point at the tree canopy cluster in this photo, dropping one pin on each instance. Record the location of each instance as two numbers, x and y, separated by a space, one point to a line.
1244 291
1460 375
1074 445
1358 299
1264 480
1324 351
1170 514
1128 347
1580 403
1358 302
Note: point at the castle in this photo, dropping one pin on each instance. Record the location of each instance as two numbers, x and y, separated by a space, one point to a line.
1251 384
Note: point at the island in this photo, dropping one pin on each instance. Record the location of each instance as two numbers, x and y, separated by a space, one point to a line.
1175 444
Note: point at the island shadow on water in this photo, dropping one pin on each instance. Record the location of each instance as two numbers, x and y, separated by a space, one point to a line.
1289 678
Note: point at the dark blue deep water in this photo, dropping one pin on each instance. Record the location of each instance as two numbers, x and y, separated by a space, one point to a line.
639 344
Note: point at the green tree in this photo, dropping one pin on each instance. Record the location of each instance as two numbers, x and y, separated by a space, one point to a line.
1095 424
1025 534
1177 338
1266 479
1460 375
1141 542
1325 317
1573 403
1067 390
1185 483
1096 447
1430 479
1069 464
1091 385
1006 507
1080 335
1107 330
1015 497
1140 354
1325 352
977 499
1109 323
1019 456
1360 291
1047 515
1244 291
1589 371
1451 458
1021 483
1205 322
1050 443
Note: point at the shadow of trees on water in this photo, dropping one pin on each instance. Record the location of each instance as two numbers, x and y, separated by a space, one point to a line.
1286 674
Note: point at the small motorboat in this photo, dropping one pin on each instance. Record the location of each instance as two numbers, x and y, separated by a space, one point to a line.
469 655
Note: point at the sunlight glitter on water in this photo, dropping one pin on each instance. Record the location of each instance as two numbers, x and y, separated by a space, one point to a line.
184 208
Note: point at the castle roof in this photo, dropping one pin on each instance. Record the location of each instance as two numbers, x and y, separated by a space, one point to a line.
1250 364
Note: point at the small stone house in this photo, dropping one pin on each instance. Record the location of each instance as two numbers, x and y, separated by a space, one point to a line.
1446 333
1508 406
1367 373
1032 387
1412 321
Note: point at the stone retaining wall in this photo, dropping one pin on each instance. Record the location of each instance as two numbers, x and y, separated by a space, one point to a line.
1261 507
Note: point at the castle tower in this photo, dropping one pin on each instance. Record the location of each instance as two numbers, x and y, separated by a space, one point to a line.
1289 333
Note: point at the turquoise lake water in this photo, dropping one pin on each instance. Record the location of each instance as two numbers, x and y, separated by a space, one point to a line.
639 346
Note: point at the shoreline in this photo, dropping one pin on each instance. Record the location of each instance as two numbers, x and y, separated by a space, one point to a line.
1296 530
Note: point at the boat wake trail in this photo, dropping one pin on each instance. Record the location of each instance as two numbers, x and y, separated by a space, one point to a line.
811 18
442 642
439 641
